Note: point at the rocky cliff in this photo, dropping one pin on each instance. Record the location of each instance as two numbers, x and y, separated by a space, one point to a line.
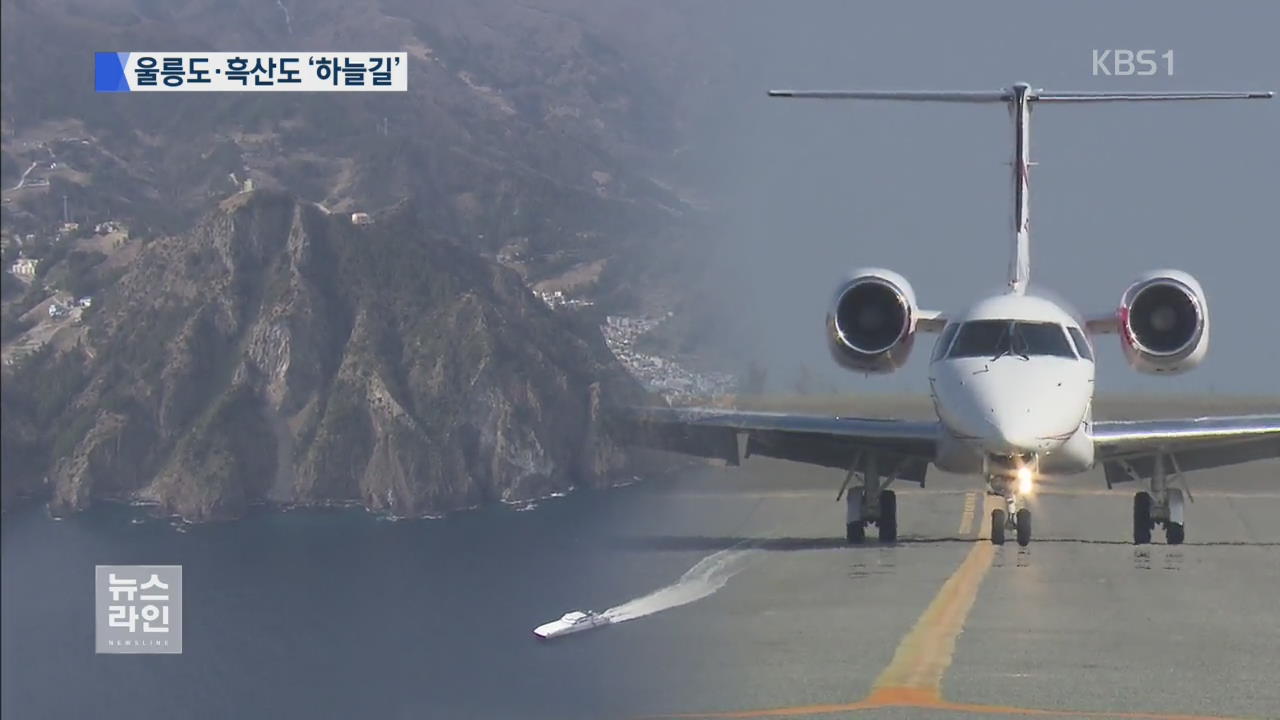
278 353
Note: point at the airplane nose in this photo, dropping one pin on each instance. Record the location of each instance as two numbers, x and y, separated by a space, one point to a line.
1030 424
1014 429
1015 410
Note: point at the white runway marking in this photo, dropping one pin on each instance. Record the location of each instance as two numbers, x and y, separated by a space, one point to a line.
966 520
707 576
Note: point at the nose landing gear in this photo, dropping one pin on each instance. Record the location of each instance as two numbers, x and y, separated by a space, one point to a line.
1015 516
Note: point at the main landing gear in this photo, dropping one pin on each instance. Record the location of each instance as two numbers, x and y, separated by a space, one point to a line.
869 503
1163 505
1014 516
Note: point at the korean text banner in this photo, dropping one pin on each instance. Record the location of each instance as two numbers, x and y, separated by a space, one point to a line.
250 71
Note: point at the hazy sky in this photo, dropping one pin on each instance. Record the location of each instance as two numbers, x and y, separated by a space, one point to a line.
817 188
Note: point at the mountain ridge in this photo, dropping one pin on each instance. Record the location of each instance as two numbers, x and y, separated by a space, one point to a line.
277 353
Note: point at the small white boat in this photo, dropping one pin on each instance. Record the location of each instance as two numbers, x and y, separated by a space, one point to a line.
572 622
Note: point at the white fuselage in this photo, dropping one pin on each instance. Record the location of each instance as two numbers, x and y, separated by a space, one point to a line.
1028 399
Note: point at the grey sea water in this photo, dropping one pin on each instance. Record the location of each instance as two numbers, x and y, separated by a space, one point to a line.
311 614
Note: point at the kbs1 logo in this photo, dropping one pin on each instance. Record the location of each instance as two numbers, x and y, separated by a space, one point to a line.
1126 63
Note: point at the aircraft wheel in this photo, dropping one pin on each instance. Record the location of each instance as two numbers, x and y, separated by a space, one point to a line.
855 533
888 517
997 526
1024 526
1142 518
1174 533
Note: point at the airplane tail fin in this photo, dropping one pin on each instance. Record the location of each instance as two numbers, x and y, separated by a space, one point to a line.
1020 98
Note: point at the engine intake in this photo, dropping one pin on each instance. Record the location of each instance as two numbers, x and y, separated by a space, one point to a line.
871 324
1164 323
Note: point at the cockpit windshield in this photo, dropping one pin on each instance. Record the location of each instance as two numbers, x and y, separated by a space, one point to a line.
997 338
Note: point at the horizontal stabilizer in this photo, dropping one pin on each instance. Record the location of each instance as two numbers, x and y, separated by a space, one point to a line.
1042 96
1008 95
1020 97
919 96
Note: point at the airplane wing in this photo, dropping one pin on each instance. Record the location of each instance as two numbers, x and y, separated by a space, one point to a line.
1127 448
830 441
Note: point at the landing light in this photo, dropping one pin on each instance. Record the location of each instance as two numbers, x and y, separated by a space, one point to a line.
1026 482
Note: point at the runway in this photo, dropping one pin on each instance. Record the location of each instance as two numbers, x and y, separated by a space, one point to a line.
1080 624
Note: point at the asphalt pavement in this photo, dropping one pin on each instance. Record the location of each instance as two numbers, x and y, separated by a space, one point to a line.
1082 623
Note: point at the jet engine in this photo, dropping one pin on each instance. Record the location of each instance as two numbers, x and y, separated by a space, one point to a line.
1164 322
872 321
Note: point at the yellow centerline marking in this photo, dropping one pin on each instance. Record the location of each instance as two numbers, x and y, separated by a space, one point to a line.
913 679
926 652
910 700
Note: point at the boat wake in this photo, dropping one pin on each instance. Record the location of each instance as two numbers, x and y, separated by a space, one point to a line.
707 576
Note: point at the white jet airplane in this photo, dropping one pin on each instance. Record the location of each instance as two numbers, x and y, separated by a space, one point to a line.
1011 378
